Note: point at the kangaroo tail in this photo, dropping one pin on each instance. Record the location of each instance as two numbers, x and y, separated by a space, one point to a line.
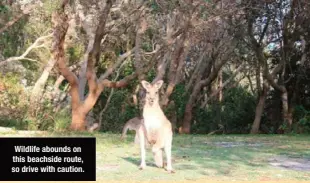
124 132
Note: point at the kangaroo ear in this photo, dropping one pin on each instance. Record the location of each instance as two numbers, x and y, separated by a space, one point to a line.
159 83
145 84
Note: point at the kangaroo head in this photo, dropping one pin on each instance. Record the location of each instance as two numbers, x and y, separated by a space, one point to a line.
152 95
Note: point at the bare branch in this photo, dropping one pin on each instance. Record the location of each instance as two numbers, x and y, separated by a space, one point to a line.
161 68
118 84
262 60
118 62
125 81
37 44
264 31
198 67
94 54
110 97
224 84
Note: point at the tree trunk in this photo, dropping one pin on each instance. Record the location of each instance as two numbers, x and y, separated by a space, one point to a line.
287 118
38 88
199 84
220 86
78 119
220 97
290 116
186 126
280 68
82 79
139 64
39 85
197 71
259 109
176 64
80 108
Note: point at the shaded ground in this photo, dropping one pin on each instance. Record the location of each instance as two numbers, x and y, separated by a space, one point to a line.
197 157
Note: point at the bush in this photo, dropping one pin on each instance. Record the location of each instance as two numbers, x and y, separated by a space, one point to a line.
61 121
302 116
180 99
238 112
13 103
118 112
14 123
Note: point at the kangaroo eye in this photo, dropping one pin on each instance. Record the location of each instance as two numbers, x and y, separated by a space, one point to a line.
156 93
147 92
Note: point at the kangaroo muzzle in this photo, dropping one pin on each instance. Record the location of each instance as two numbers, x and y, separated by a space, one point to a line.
151 101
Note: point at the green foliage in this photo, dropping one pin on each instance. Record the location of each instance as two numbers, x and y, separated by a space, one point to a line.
180 98
238 110
13 97
147 47
50 6
302 117
17 124
167 6
74 53
4 9
154 6
14 107
61 121
12 40
203 120
12 87
46 119
13 101
118 112
237 114
150 75
127 69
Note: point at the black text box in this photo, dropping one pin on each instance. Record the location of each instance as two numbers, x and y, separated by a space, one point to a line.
48 159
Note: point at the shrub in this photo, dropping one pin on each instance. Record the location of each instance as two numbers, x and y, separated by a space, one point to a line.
61 121
237 113
13 103
302 116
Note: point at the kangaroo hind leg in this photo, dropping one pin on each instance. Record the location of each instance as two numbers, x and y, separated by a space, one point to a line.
142 148
157 150
158 157
168 146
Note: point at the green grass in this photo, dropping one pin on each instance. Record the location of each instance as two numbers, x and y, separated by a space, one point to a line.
197 157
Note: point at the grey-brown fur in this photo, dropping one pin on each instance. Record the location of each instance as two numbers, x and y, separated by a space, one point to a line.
132 124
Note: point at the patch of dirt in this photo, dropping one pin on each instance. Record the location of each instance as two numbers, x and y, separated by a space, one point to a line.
236 144
299 164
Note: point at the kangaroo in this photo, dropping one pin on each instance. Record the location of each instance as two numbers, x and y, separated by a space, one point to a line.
132 124
156 128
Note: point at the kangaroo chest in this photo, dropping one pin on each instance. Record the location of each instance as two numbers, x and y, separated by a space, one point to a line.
153 120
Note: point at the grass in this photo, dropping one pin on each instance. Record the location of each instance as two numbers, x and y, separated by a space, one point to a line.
197 157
